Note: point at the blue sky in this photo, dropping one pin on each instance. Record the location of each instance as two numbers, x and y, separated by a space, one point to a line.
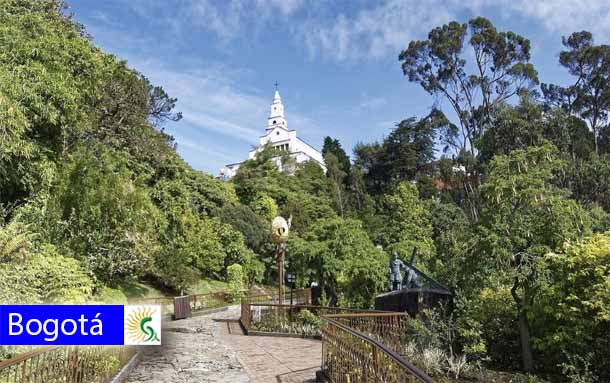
336 61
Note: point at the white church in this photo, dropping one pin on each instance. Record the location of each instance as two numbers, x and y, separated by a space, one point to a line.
278 136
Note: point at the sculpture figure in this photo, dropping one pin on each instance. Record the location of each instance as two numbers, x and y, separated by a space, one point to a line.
395 272
396 278
413 280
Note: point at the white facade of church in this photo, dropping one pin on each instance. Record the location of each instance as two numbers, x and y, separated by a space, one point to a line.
278 136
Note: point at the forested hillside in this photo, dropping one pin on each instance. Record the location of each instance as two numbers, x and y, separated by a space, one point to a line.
91 188
505 193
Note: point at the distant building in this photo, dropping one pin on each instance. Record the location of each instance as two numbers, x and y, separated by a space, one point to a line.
278 136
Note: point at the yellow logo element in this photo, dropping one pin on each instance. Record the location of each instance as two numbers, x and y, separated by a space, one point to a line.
138 325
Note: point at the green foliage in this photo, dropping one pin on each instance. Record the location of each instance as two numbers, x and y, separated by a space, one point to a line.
338 254
306 317
95 196
453 240
236 278
407 224
404 155
492 312
110 295
524 217
304 195
254 229
590 179
97 211
45 277
333 146
576 305
515 127
265 207
14 240
578 369
590 64
501 70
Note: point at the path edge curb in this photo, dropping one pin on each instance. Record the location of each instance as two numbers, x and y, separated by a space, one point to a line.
127 368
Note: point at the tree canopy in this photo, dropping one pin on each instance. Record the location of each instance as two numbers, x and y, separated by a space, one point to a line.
506 196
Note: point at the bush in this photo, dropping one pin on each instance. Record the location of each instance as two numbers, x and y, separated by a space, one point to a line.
101 213
235 278
46 277
306 317
575 308
578 369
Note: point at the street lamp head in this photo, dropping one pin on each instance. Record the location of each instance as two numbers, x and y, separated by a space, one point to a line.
279 230
291 277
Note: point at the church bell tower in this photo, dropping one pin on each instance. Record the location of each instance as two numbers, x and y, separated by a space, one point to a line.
276 115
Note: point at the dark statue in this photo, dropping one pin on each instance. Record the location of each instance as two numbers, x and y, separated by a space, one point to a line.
395 272
396 266
412 292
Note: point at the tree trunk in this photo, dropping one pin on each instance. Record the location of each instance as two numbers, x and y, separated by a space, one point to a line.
526 348
524 327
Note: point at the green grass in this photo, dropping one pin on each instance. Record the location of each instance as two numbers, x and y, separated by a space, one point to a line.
207 286
140 290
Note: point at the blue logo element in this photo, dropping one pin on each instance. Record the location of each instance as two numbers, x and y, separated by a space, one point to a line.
78 325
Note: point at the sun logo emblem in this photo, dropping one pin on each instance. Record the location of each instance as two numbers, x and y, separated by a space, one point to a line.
139 327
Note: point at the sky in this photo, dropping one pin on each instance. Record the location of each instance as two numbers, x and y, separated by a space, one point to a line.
336 62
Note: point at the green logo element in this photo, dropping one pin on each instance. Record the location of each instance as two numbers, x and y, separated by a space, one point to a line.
139 328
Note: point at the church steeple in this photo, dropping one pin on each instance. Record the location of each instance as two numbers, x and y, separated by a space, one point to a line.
276 115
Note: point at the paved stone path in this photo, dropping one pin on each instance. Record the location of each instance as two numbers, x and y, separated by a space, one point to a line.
212 348
191 352
274 359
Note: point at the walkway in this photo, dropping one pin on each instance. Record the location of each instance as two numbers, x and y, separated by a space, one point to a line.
212 348
191 352
273 359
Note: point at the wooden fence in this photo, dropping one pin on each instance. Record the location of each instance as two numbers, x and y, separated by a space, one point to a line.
299 297
196 301
66 365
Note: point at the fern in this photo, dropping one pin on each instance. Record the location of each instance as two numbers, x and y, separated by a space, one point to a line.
14 242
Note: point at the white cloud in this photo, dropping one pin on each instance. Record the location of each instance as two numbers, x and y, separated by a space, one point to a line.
202 148
565 16
228 19
214 99
210 101
372 102
286 7
365 29
387 27
373 32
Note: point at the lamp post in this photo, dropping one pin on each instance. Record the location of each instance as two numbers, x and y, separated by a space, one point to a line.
291 278
279 234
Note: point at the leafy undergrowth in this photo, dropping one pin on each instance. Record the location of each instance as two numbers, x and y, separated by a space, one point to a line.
303 323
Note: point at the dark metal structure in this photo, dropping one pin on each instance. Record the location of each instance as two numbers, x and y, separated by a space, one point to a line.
413 298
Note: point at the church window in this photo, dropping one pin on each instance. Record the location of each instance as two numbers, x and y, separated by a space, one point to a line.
274 121
277 133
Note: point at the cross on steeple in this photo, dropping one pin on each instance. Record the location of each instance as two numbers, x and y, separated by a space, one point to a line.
276 84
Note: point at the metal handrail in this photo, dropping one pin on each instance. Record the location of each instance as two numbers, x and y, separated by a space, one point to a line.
391 353
26 355
331 308
68 364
